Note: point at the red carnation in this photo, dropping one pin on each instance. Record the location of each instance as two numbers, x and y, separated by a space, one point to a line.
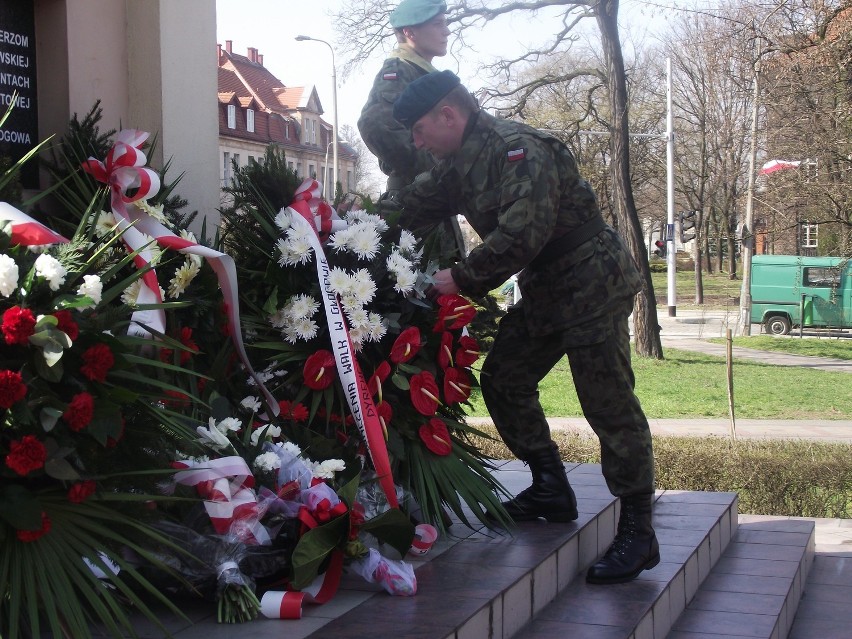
81 491
319 370
12 388
98 360
456 386
445 353
374 385
79 412
406 345
293 410
26 455
18 324
424 393
66 324
436 437
467 352
456 312
31 535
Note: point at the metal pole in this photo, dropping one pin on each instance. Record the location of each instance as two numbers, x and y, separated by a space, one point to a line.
334 111
671 253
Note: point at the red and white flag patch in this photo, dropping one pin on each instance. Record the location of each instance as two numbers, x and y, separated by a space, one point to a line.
391 75
513 155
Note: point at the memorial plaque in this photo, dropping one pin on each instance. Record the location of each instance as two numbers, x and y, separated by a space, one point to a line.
19 134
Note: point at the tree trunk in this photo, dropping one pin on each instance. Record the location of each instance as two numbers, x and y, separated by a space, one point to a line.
646 328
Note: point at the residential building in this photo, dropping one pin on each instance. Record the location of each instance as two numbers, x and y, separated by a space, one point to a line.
256 110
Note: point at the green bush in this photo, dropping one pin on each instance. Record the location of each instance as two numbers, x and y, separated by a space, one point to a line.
791 478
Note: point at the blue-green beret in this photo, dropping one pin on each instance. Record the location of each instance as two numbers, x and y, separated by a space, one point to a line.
420 96
413 12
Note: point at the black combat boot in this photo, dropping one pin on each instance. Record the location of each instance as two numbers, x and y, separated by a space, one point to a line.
550 495
635 546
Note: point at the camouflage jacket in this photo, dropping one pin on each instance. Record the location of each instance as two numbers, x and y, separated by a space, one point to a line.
520 189
386 138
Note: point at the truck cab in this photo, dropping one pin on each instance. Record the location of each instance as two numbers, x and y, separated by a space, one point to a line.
794 291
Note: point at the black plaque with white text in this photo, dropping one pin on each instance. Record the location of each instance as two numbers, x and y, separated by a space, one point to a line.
19 134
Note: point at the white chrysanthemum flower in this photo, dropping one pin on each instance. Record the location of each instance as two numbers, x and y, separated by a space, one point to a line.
279 318
405 281
267 462
105 224
188 235
365 242
363 286
358 317
339 240
50 269
131 293
302 306
8 275
350 303
290 335
361 216
377 327
327 468
251 403
305 328
182 279
359 335
339 281
397 262
407 241
154 210
282 220
91 287
268 432
295 250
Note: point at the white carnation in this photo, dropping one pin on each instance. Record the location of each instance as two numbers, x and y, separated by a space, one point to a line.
8 275
251 403
50 269
327 468
267 462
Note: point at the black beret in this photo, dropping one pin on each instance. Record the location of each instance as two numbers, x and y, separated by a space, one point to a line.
420 96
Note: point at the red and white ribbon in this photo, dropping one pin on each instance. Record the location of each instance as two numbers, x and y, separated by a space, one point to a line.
288 604
226 485
307 201
125 169
26 231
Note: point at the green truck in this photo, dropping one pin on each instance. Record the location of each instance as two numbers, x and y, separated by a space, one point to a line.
807 292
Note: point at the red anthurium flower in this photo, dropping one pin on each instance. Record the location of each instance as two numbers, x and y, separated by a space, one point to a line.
12 388
319 370
97 361
424 393
468 351
456 385
31 535
81 491
456 312
26 455
385 413
18 324
436 437
406 345
375 383
66 324
445 353
79 412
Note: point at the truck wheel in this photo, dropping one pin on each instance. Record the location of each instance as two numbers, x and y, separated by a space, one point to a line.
777 325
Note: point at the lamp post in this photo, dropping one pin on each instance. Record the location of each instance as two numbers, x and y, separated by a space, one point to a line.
302 38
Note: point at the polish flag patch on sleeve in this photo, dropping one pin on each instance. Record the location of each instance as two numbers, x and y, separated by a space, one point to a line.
513 155
390 75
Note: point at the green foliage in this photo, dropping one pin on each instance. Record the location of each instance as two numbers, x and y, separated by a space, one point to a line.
818 347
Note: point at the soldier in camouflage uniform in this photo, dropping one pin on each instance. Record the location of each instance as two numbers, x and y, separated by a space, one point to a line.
521 192
421 31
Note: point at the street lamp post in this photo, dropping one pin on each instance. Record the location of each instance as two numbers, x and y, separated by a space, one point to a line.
301 38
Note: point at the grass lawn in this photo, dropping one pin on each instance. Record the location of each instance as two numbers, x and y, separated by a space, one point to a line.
693 385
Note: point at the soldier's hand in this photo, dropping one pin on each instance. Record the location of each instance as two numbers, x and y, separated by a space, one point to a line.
444 284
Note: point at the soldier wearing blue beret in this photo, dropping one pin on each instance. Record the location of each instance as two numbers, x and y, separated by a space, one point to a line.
521 191
421 31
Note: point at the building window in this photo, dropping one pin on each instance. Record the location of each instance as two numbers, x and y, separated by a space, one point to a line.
237 160
810 235
250 120
232 116
290 165
299 168
226 166
312 173
348 180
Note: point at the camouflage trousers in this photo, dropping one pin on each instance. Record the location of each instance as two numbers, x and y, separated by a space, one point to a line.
599 356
